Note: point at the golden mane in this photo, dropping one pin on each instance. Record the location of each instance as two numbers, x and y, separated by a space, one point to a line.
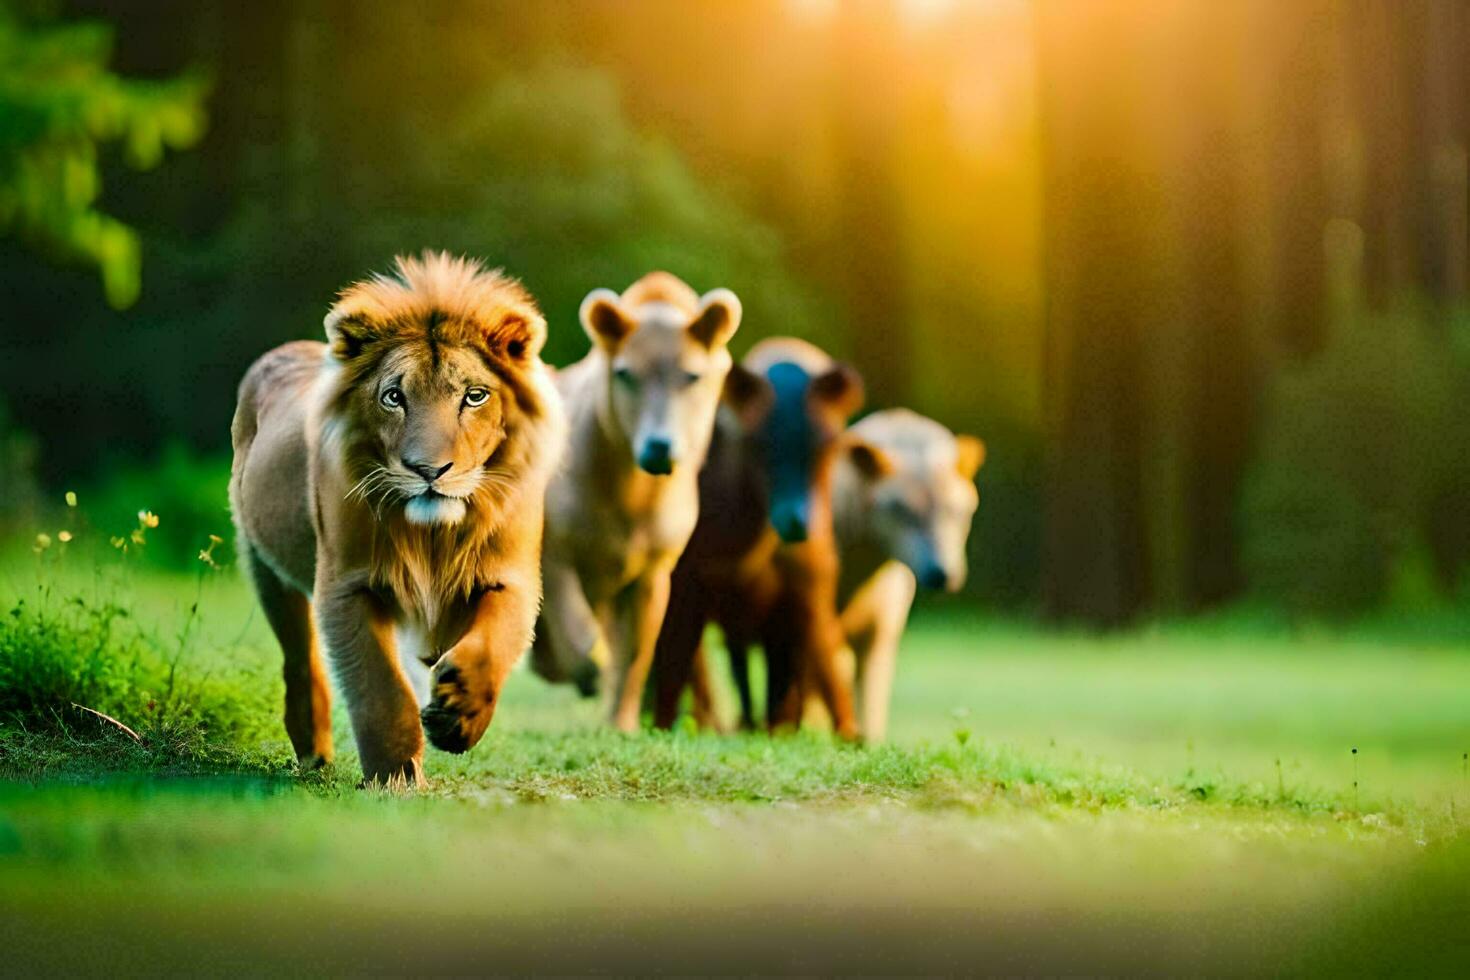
439 299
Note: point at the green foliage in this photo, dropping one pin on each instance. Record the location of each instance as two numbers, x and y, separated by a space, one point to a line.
1311 544
58 105
544 172
1357 445
188 493
69 658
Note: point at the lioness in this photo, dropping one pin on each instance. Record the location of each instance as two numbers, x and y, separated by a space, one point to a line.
903 496
641 406
393 483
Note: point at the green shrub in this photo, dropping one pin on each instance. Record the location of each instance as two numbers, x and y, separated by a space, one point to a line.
1310 545
68 659
1357 449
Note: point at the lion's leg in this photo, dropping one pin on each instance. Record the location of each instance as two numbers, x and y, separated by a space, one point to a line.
308 697
640 613
465 684
385 717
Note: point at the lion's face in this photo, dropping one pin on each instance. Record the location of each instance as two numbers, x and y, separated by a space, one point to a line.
439 390
437 422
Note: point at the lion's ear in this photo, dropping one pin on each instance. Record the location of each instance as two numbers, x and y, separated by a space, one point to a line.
348 333
870 461
520 335
840 389
748 395
605 320
717 320
969 456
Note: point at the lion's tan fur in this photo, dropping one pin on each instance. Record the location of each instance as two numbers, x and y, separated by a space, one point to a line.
323 493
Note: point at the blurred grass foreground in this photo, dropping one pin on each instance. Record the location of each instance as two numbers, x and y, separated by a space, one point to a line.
1197 273
1208 797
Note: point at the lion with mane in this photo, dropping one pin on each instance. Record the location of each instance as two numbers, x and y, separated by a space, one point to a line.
388 489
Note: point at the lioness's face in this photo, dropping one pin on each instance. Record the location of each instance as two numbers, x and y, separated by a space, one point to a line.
923 520
665 389
920 505
438 418
666 370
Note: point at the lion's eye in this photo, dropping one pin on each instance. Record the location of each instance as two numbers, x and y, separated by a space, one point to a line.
475 397
690 377
392 398
626 377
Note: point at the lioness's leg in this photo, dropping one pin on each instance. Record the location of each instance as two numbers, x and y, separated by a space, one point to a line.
569 644
876 647
640 613
308 698
385 718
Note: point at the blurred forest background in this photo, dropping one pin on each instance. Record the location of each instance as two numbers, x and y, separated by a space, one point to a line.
1196 271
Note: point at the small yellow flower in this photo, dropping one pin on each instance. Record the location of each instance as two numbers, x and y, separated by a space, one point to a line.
63 536
207 555
137 536
120 543
146 518
71 498
43 541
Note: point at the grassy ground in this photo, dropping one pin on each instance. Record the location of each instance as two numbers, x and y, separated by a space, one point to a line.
1047 803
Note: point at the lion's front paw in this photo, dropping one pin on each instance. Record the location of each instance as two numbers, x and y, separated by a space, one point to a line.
456 716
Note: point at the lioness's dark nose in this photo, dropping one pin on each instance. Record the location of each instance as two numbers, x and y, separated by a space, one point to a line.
657 457
428 471
933 576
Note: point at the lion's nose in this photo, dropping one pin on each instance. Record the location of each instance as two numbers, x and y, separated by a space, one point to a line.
428 471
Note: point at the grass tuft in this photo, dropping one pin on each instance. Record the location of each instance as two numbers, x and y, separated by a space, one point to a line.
83 681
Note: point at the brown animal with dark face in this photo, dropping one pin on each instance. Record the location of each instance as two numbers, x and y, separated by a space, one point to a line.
762 562
392 484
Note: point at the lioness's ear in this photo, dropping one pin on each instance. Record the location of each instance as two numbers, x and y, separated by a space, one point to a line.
748 395
604 320
872 462
839 388
348 333
969 456
717 320
520 335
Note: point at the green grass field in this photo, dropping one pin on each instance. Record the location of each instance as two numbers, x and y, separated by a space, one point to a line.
1176 800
